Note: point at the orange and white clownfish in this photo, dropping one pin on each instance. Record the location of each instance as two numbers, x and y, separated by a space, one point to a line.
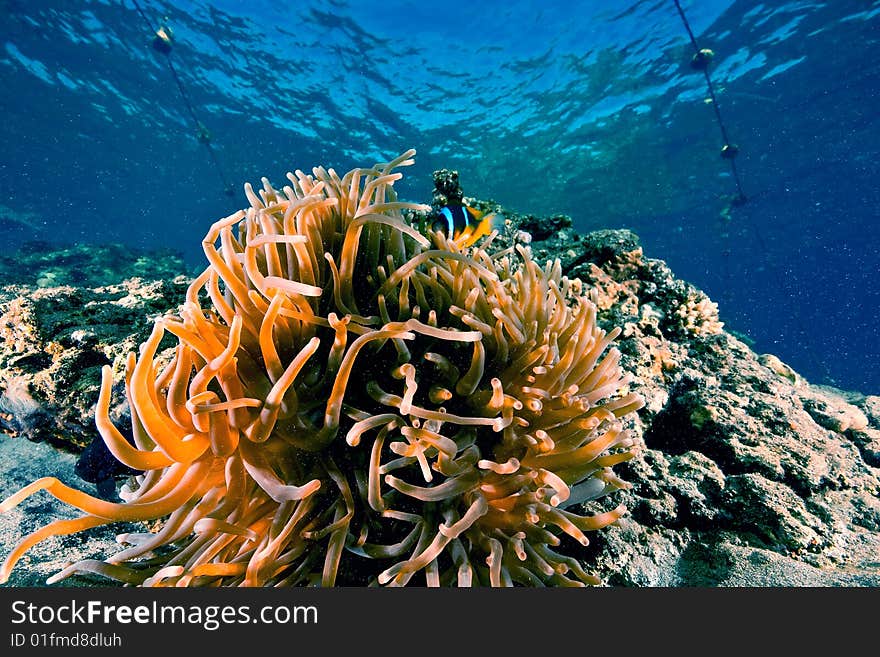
463 224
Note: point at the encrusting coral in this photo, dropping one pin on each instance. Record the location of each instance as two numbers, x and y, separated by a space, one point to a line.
353 401
699 315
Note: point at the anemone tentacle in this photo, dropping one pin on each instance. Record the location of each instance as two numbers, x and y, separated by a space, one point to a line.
361 403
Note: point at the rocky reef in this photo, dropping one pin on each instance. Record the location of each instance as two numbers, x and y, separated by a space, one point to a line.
747 474
750 475
64 313
43 265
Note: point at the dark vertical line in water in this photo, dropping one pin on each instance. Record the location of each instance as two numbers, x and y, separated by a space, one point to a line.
684 20
227 188
728 151
203 135
143 15
782 284
182 89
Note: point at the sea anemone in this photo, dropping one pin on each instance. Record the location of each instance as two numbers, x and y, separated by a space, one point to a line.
353 401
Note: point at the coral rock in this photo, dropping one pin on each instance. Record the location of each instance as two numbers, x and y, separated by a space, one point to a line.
749 475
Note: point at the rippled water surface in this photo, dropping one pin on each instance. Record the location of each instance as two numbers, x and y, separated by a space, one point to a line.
585 107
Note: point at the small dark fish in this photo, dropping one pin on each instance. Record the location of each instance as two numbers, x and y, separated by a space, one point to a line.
463 224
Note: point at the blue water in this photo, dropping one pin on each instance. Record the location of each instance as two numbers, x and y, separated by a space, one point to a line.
586 107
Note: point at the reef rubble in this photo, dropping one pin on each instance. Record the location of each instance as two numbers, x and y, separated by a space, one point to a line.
748 475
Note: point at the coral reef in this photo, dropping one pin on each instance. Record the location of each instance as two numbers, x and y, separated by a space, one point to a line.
64 313
53 343
447 188
749 475
361 403
699 315
45 265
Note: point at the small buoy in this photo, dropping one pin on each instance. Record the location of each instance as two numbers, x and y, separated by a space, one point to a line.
701 59
203 134
162 40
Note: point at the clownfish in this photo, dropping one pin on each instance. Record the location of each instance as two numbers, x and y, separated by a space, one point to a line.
463 224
